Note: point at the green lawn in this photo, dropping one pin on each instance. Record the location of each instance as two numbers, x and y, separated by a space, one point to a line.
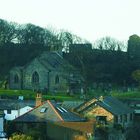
28 94
125 95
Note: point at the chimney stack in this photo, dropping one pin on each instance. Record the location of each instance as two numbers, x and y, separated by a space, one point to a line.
101 98
38 99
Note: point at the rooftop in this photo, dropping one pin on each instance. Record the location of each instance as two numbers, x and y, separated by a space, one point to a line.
49 111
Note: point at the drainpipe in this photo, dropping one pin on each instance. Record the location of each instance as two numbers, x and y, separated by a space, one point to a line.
48 84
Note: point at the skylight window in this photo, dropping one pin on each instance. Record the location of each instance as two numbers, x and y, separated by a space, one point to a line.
43 109
64 109
60 109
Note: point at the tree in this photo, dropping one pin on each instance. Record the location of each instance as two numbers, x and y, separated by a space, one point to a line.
7 32
20 137
136 76
108 43
30 34
66 38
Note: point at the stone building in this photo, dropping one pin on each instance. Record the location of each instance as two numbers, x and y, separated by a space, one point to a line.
113 118
51 121
107 110
49 72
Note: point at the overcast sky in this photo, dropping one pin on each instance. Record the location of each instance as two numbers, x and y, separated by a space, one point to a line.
89 19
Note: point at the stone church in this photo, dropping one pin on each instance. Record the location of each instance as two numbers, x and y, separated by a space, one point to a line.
47 72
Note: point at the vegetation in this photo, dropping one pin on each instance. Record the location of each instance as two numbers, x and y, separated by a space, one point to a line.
105 62
28 94
20 137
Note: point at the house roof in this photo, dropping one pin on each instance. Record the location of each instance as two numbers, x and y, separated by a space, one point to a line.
6 104
71 104
49 111
114 106
86 127
109 103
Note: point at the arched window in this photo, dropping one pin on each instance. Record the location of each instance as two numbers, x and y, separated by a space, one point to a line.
35 78
56 79
16 79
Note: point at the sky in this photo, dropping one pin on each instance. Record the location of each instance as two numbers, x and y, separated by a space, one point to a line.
89 19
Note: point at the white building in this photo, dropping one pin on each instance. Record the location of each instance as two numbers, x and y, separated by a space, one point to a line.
12 114
15 108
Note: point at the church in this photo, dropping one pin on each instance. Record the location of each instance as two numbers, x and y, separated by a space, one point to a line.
48 72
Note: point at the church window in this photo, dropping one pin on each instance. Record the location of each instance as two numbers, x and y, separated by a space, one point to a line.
16 79
57 79
35 78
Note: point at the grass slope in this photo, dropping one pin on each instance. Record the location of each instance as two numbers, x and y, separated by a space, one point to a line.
28 94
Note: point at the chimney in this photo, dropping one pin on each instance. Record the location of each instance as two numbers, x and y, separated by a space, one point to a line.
38 99
101 98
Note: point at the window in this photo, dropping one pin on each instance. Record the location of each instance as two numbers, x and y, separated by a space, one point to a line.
60 109
131 116
16 79
64 109
35 78
116 119
8 111
125 117
56 79
43 109
121 118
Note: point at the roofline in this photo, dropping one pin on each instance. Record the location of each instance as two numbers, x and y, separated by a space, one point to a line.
55 110
30 110
112 112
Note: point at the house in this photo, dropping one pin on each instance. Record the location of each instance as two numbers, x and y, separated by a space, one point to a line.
15 108
134 104
107 110
2 133
49 120
47 72
49 111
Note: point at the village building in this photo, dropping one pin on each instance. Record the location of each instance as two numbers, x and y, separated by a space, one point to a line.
47 72
15 108
53 121
109 113
108 109
2 133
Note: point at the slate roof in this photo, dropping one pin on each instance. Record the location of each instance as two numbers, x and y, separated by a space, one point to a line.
15 104
49 111
71 104
67 115
110 104
114 106
86 127
53 61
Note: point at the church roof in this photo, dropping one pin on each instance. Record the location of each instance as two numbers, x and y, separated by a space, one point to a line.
53 60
